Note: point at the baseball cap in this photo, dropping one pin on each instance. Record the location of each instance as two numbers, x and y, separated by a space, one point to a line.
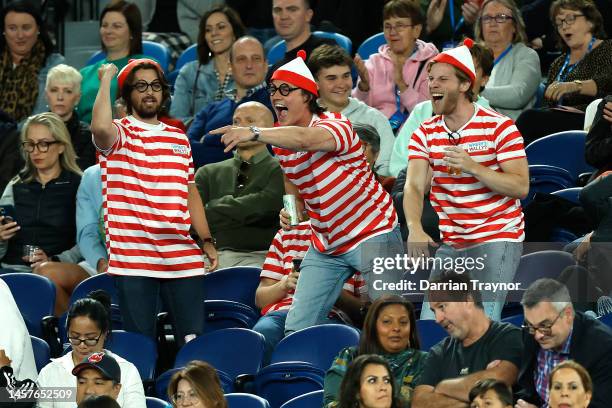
102 362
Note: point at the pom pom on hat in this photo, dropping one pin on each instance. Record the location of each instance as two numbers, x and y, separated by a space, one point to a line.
459 57
297 73
133 63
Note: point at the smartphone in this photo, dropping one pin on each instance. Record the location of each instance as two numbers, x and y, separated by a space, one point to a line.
8 212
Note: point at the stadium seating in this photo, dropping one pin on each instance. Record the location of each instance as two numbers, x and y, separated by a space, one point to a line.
371 45
237 284
516 319
277 52
223 314
430 333
42 353
136 348
308 400
547 179
157 51
156 403
542 264
241 400
571 194
606 319
190 54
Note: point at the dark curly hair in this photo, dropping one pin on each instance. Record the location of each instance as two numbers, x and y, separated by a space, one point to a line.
351 383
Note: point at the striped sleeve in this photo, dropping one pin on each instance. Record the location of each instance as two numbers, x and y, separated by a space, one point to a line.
508 142
417 149
342 132
273 267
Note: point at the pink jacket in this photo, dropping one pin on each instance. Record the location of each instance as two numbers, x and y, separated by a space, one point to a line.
382 87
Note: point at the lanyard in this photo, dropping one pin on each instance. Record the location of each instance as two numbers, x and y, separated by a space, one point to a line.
451 12
502 55
566 66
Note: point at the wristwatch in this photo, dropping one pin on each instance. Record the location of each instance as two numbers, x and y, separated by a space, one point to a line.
579 83
256 132
212 240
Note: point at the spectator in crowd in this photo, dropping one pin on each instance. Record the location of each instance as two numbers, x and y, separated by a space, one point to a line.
189 15
43 196
15 341
368 384
63 91
279 277
370 140
483 64
490 393
197 384
88 326
26 55
394 79
99 401
121 39
208 78
13 391
389 331
163 259
554 332
259 24
243 195
577 77
98 374
249 67
331 67
570 385
476 347
323 162
479 151
292 23
515 77
446 25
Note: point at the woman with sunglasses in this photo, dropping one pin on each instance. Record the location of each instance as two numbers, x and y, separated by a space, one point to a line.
88 326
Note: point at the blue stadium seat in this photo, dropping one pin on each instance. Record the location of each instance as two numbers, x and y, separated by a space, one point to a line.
153 402
547 179
539 102
188 55
562 149
223 314
277 52
281 382
308 400
136 348
430 333
241 400
371 45
161 383
237 284
571 194
606 319
42 353
516 319
156 51
35 298
562 234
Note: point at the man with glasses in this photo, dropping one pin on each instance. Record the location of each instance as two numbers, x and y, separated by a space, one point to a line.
150 203
243 195
476 348
555 332
353 220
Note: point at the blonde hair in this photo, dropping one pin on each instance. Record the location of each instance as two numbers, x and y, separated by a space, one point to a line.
60 133
64 74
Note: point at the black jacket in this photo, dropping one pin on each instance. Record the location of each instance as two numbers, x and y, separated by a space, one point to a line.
591 346
80 136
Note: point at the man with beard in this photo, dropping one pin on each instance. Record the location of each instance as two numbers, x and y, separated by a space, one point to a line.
476 348
479 171
150 203
353 220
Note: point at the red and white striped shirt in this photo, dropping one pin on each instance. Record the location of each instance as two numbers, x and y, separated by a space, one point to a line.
345 203
291 244
145 177
469 211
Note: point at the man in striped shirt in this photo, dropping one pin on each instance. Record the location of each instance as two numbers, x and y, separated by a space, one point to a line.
352 218
479 174
150 203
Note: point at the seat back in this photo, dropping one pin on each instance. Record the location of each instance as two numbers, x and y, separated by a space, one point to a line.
308 400
241 400
430 333
606 319
188 55
42 353
546 179
516 320
136 348
237 284
157 51
571 194
317 345
226 350
223 314
161 382
281 382
536 265
277 52
153 402
34 296
371 45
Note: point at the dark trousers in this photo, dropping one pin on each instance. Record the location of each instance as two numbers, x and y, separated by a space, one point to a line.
182 298
536 123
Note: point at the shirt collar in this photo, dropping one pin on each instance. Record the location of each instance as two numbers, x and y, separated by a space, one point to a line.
255 159
231 94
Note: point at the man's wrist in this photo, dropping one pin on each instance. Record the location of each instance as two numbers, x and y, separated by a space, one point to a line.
209 240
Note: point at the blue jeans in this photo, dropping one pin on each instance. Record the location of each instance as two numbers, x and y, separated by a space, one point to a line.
500 261
322 276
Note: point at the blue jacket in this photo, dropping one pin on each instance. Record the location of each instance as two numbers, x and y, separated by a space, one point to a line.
208 148
89 205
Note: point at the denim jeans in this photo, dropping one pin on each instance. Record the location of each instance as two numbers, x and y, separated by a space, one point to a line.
183 298
322 276
500 261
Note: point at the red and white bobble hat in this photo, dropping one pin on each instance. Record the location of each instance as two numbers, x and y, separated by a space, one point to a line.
459 57
297 73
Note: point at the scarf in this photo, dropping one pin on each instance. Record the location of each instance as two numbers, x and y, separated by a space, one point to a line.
20 84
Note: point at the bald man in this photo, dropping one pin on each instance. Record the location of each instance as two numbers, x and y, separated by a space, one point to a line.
243 195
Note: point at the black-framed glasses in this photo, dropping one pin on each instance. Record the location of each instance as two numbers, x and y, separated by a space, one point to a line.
142 86
75 341
454 138
284 89
42 146
498 18
242 178
399 27
545 329
569 20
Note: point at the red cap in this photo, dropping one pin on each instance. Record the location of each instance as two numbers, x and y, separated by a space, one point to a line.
133 63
